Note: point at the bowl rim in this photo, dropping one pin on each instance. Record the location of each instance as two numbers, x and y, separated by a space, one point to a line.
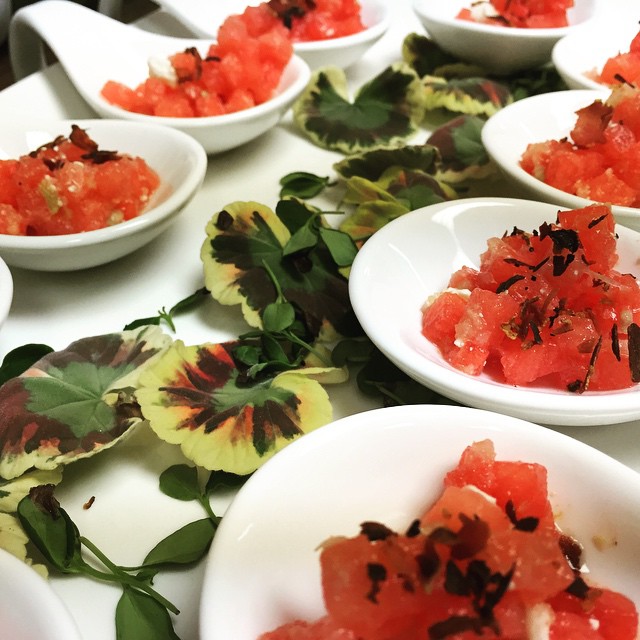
150 218
515 171
297 68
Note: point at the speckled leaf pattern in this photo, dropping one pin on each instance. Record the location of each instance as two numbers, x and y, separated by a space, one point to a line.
75 402
192 397
472 96
384 112
244 237
462 154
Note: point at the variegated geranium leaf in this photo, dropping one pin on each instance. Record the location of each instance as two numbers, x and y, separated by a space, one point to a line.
428 59
372 164
245 250
462 155
472 96
384 112
12 491
194 396
73 403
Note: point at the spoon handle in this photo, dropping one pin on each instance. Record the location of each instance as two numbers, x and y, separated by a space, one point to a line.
49 21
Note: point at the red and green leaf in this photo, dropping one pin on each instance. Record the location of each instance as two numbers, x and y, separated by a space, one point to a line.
75 402
195 396
473 96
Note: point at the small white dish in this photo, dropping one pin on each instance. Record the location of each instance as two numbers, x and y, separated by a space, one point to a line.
500 50
178 159
94 48
29 608
387 465
549 116
412 258
204 17
582 54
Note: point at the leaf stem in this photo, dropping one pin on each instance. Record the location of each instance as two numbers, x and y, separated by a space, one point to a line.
119 575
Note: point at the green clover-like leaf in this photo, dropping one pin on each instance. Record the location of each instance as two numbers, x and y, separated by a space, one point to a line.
245 250
75 402
473 96
194 396
385 111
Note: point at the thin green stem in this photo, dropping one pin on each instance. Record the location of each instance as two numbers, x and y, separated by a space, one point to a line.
119 575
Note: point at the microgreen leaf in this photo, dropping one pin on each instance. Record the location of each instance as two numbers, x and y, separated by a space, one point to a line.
184 546
20 359
244 263
167 316
50 529
342 248
141 617
305 237
302 184
385 111
278 316
180 481
222 480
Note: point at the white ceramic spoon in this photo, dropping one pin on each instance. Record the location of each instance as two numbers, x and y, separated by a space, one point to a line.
204 17
94 48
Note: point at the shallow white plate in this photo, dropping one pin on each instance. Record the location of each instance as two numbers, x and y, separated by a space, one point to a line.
586 50
500 50
204 17
178 159
387 465
29 608
411 258
94 48
549 116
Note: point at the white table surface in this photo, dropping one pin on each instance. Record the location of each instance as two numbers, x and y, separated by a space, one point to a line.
129 514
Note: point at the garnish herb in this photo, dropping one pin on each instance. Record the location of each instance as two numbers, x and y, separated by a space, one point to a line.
20 359
186 304
302 184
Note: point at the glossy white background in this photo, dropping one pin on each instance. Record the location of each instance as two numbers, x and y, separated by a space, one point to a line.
129 514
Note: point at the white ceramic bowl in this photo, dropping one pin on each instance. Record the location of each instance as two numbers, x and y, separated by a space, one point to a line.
177 158
387 465
413 257
94 48
500 50
29 608
204 17
586 50
549 116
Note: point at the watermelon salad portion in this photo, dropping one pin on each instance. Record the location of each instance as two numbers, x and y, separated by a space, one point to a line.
70 185
623 67
525 14
243 68
600 160
545 307
486 560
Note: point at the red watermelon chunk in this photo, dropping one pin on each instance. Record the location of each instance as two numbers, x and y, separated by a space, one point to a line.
483 561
